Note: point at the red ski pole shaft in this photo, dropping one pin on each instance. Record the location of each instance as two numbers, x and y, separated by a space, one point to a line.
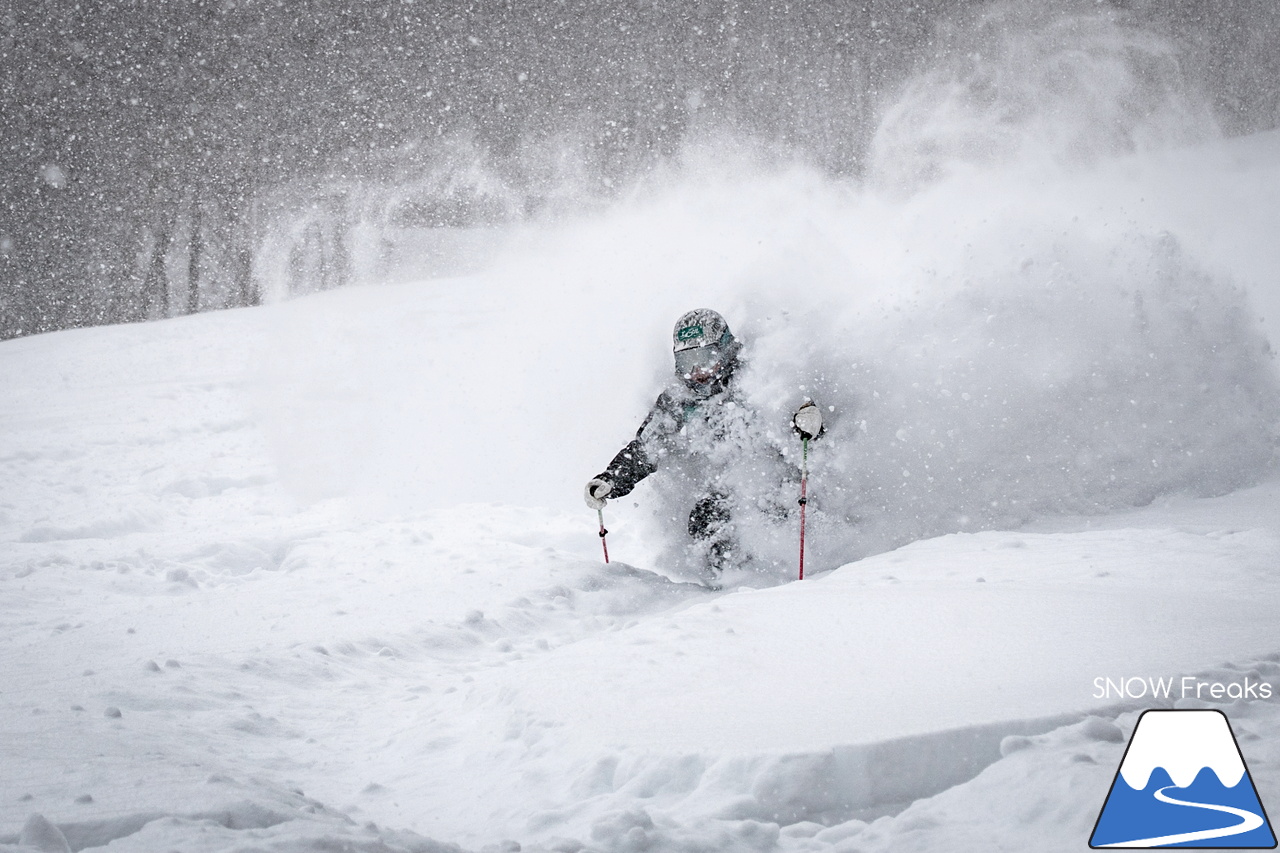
603 533
804 500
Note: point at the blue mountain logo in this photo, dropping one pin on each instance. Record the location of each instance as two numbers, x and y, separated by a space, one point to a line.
1183 783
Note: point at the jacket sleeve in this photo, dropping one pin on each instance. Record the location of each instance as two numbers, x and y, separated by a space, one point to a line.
636 461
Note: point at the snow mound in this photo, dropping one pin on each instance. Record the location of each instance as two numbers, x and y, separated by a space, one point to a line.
232 827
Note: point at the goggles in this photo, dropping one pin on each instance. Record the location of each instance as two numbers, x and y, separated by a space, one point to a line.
700 364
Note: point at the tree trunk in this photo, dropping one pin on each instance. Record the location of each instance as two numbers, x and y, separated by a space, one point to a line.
246 292
339 273
155 286
193 259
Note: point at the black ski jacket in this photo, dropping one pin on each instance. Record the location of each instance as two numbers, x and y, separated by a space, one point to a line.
672 410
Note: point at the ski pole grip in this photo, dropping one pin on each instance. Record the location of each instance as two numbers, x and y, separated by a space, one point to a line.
807 421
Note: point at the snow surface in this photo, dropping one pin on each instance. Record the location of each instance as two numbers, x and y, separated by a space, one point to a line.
317 575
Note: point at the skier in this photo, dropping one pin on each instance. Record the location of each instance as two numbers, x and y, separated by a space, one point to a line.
696 429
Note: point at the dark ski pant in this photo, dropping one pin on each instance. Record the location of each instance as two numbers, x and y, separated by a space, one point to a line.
709 522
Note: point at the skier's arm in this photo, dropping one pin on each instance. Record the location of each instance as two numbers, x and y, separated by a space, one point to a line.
634 462
628 468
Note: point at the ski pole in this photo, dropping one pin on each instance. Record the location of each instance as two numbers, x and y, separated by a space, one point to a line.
603 533
804 497
807 422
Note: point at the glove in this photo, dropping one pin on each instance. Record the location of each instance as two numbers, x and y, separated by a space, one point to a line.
596 491
808 421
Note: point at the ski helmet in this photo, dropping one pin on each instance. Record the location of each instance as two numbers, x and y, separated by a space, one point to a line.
705 350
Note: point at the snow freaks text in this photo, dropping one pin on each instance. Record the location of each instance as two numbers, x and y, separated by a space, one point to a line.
1186 687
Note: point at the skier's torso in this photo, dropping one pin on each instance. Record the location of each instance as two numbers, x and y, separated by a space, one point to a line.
697 437
699 443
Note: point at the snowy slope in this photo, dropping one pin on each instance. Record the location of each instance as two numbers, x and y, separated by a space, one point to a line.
318 574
